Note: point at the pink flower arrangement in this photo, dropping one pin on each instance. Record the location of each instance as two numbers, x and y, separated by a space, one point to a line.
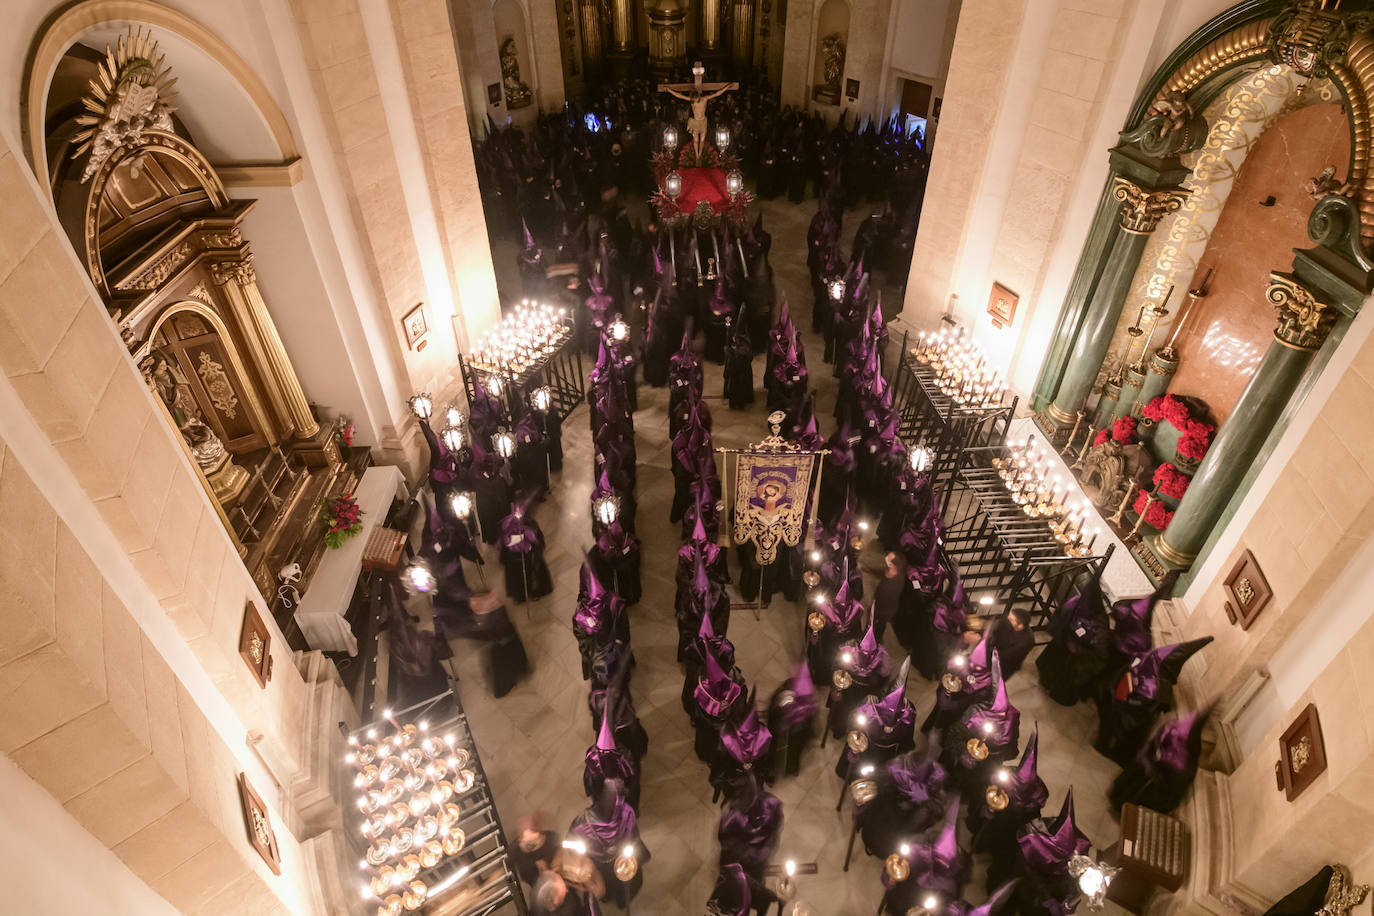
1170 481
1157 516
342 519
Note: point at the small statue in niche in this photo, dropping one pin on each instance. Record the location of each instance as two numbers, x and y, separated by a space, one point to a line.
175 392
1175 109
1327 184
518 95
832 50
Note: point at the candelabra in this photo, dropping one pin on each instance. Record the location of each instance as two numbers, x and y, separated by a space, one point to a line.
961 368
1024 471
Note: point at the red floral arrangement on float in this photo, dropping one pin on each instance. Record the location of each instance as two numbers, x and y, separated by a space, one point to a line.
1196 436
1158 516
1170 481
342 519
1123 431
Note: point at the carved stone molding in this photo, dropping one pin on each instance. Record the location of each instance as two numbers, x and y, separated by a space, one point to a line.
238 270
1303 321
200 292
1141 210
230 238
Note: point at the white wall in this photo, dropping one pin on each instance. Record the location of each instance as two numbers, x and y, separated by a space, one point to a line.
50 865
919 37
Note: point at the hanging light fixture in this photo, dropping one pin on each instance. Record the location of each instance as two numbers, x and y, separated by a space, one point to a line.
734 182
452 437
422 405
672 185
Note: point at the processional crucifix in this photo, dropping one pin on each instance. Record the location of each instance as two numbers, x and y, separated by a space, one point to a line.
698 94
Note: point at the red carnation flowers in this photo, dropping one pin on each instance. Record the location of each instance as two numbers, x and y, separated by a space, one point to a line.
342 519
1158 516
1171 482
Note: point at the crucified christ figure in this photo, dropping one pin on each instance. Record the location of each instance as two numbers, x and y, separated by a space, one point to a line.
697 95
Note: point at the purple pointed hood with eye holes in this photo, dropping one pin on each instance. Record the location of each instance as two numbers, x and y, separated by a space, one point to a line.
715 690
1131 618
1046 847
747 740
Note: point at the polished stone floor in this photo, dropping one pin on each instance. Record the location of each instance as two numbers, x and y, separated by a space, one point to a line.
532 741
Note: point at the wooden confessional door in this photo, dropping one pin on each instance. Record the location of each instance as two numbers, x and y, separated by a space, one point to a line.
204 363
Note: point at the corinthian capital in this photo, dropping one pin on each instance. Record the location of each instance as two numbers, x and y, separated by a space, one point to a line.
1141 210
1303 321
236 270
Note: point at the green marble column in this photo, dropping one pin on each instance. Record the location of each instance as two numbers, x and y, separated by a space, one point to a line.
1141 210
1159 372
1303 325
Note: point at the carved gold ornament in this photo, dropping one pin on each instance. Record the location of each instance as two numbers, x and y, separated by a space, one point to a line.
131 93
255 647
1300 754
261 831
1342 894
815 621
1312 36
1141 210
1245 590
217 385
1303 321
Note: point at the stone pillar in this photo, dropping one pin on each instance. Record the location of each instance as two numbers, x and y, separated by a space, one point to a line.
1140 213
742 35
240 284
1159 372
1303 325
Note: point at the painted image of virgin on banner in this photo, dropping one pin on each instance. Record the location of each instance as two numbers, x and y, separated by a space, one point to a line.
770 500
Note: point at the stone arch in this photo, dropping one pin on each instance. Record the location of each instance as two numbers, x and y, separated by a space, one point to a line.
66 27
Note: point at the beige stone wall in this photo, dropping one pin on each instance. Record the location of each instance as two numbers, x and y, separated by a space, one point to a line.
92 713
796 55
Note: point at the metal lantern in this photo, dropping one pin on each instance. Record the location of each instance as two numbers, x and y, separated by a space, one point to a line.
455 416
619 329
672 185
837 289
452 438
495 385
423 405
734 182
606 509
1093 879
670 138
462 504
920 458
542 398
722 138
504 443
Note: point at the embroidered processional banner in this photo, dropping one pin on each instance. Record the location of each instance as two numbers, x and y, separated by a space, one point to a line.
770 500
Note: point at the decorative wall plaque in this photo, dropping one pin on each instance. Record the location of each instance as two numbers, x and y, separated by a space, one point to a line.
416 327
255 644
259 824
1247 591
1302 755
1002 305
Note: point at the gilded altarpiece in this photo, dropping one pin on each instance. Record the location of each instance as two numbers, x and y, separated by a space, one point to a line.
165 247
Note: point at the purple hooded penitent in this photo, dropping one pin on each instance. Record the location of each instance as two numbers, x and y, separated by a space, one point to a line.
1047 847
998 725
1173 745
1131 619
716 691
1149 672
748 740
1024 787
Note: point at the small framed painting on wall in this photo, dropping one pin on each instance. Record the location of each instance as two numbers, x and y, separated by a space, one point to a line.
1002 305
416 327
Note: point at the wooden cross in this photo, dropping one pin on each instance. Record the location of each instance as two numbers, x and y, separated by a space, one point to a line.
696 86
697 95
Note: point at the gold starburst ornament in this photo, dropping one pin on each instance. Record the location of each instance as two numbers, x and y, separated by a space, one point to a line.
130 95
